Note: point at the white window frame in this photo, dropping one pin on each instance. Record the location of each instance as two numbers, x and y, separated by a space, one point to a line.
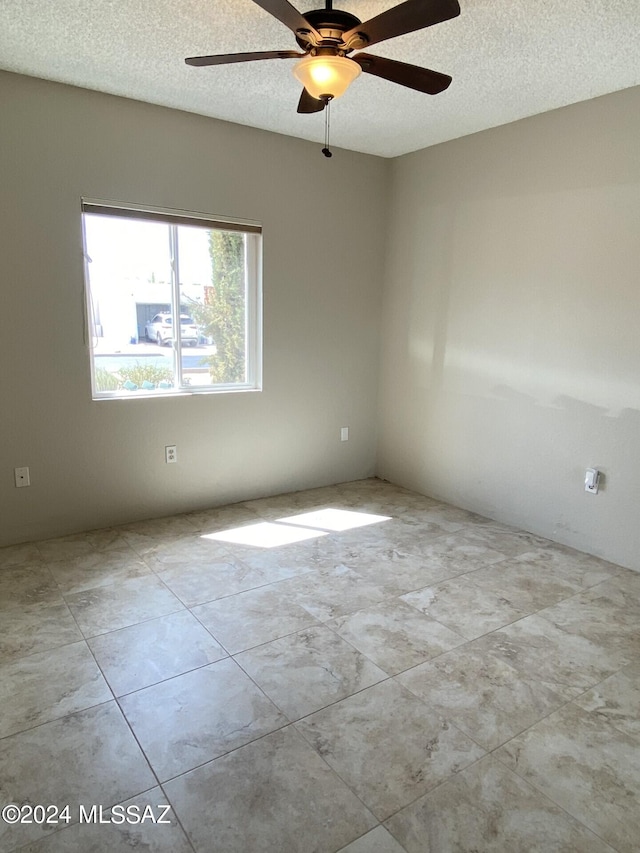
253 295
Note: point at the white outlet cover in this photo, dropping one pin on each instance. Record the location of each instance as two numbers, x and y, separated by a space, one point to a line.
592 480
22 477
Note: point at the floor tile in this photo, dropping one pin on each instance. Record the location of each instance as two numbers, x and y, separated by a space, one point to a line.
48 685
97 568
617 699
464 607
433 516
198 583
30 583
220 518
81 544
109 608
200 715
488 809
623 588
397 572
388 746
376 841
278 506
563 660
65 547
308 670
588 767
527 586
334 519
276 564
394 533
262 535
323 554
35 628
348 636
141 655
85 758
455 552
327 594
106 539
254 617
581 569
275 794
335 493
16 555
607 615
510 541
484 695
137 831
394 635
184 551
145 536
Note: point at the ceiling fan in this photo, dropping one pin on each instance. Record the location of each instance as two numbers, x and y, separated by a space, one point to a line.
326 37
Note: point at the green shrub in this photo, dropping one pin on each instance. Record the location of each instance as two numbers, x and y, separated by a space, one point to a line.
106 381
137 375
140 373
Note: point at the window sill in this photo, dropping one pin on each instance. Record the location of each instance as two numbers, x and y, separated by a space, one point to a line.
172 395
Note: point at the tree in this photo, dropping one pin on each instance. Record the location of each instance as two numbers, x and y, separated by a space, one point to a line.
222 314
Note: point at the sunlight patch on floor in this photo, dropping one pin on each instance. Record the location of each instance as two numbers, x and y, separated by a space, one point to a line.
296 528
265 534
334 519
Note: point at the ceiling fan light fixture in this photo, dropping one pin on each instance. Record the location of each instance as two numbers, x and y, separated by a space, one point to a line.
326 76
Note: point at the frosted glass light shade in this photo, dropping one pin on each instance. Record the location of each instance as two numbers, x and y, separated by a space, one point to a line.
326 75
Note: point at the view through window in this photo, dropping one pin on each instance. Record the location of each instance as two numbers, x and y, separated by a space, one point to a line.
173 302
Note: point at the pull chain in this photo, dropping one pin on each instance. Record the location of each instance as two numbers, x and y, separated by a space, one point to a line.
327 126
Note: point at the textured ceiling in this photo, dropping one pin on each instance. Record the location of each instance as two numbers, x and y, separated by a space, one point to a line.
508 59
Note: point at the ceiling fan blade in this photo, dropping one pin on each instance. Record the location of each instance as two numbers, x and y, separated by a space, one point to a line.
309 104
290 17
421 79
225 58
406 18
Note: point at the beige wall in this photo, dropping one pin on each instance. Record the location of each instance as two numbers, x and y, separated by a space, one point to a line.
97 463
511 324
510 354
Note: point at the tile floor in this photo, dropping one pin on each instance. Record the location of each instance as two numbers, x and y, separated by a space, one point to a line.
355 669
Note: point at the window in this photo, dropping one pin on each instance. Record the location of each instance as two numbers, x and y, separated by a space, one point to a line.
173 302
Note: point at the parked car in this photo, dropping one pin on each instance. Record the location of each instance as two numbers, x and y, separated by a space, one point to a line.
160 329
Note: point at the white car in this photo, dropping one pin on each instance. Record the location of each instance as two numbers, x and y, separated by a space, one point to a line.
160 329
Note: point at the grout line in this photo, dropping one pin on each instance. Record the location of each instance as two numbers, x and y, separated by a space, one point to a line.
56 719
178 820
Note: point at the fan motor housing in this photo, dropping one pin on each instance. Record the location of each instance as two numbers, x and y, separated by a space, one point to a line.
331 24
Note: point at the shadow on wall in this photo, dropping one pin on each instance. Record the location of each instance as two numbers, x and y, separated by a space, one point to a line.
571 404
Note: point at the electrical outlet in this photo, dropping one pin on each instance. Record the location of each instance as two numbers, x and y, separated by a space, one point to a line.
22 477
592 480
344 433
170 453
